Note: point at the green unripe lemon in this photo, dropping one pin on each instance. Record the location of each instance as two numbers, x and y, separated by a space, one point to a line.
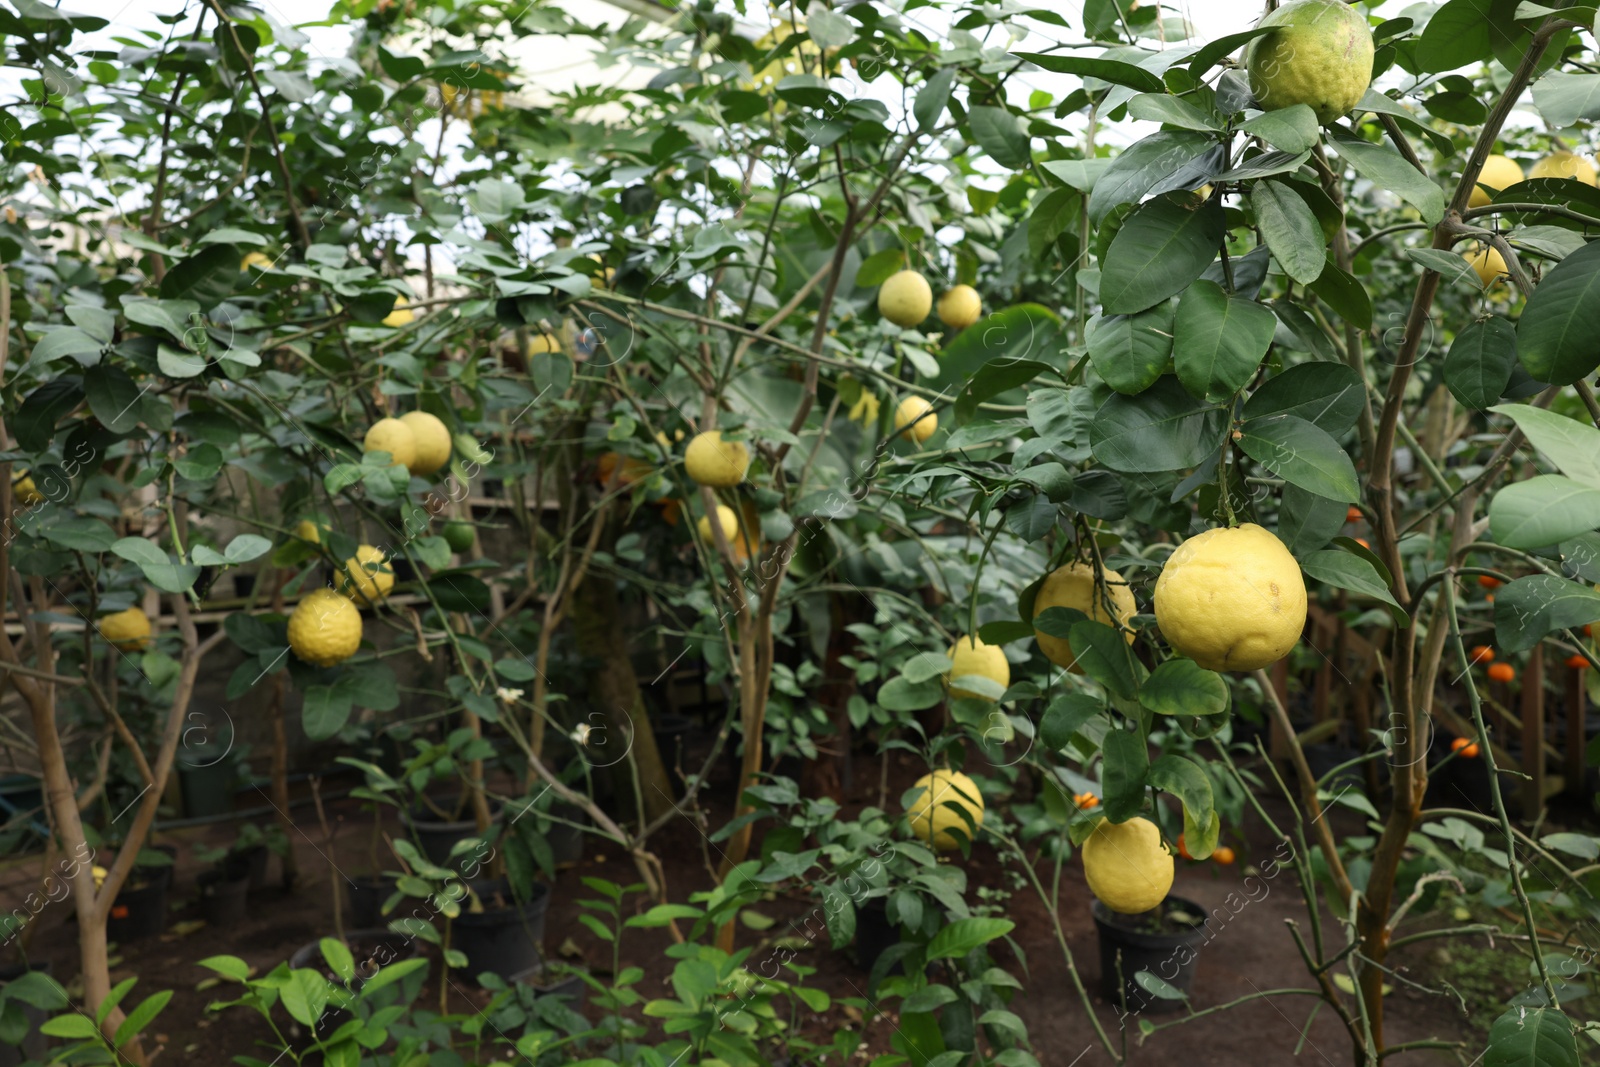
1319 53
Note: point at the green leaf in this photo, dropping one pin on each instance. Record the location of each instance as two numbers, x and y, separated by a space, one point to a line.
231 967
1122 774
1302 454
174 317
1564 99
38 989
35 421
1451 266
1065 716
64 342
71 1026
1542 510
1219 340
1187 781
1160 249
1532 1037
1103 654
80 534
1172 110
1573 446
1328 395
1290 129
1182 687
898 694
141 1016
1346 570
997 376
113 397
962 936
207 277
879 267
1306 521
1346 296
1529 609
1214 52
1388 169
304 996
1031 518
1456 35
1162 429
1052 215
1131 351
1111 70
932 98
156 565
337 953
1000 134
1557 331
324 711
1142 165
176 363
1290 228
1478 365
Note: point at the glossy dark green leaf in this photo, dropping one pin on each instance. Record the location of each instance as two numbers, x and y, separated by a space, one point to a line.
1307 521
1388 169
1543 510
1110 70
1456 35
932 98
1327 394
1345 295
1103 654
1065 716
1142 166
208 277
1573 446
1290 229
1532 1037
997 376
1162 429
1303 454
1529 609
1219 340
1181 686
1558 329
1131 351
1186 780
1345 570
1000 134
1479 362
1125 762
1160 249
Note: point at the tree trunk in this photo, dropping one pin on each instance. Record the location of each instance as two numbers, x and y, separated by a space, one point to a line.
602 639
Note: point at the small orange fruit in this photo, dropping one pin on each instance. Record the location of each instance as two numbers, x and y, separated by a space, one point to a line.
1489 598
1488 581
1577 663
1183 849
1353 514
1362 541
1467 749
1586 630
1085 801
1223 855
1501 672
1481 654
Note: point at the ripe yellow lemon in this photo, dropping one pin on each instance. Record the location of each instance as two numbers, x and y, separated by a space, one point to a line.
1498 173
367 577
325 628
128 630
1073 586
915 418
1489 264
969 656
541 343
932 818
1128 869
905 299
432 442
402 315
709 460
727 518
308 532
25 492
1319 53
256 259
1231 599
1564 165
960 307
394 437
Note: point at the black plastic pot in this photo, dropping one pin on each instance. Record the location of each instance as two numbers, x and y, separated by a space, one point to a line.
1171 957
33 1047
253 862
208 790
224 895
567 985
139 911
436 836
875 934
501 940
367 894
566 842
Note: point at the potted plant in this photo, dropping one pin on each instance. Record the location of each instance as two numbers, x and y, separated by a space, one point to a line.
440 819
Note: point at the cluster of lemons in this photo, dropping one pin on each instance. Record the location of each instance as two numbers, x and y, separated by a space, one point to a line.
1500 173
906 299
1230 599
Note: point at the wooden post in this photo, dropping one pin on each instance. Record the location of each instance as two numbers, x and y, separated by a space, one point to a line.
1577 710
1533 735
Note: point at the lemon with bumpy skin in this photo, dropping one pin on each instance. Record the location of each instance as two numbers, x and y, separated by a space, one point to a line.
934 821
970 657
1126 866
394 437
25 492
1488 264
367 576
1231 599
1073 586
709 460
432 442
905 299
1319 53
960 307
727 518
325 628
1498 173
1564 165
128 630
915 418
